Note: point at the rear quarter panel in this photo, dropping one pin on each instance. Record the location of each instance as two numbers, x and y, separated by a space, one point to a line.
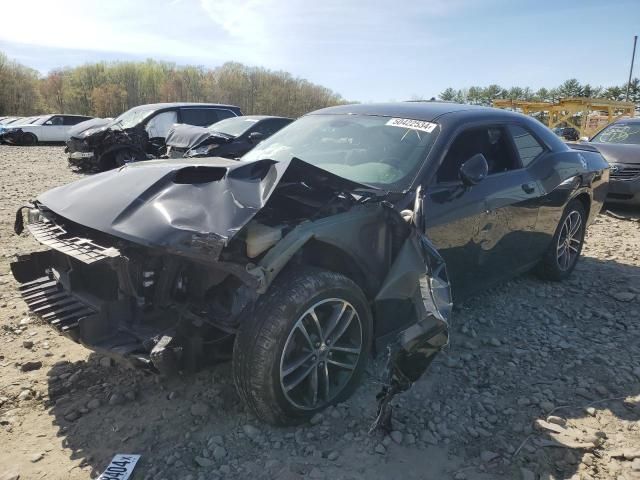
564 175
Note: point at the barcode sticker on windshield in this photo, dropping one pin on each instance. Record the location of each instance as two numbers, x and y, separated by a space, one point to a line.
412 124
120 467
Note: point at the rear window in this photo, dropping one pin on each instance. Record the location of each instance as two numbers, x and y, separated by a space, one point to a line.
203 117
73 120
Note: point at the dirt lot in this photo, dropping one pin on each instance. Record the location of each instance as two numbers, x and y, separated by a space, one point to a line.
541 380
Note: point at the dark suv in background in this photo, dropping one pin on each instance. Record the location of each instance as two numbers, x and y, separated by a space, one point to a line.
568 133
139 133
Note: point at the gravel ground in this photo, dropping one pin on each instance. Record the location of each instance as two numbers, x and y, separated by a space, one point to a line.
541 380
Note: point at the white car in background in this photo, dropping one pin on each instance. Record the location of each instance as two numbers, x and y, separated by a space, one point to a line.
45 128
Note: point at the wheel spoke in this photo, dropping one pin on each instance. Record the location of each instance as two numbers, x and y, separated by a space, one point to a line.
343 327
293 366
575 227
351 350
316 321
347 366
334 321
325 381
300 326
314 385
299 378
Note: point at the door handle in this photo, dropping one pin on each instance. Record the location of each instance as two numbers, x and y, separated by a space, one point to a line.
528 188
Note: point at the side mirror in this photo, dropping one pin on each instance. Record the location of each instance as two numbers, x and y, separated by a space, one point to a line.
48 122
474 170
256 137
584 139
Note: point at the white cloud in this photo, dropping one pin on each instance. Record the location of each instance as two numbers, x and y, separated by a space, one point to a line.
114 26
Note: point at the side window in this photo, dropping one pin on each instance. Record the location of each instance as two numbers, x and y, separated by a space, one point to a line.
527 146
69 120
267 127
203 117
159 125
54 121
491 141
224 113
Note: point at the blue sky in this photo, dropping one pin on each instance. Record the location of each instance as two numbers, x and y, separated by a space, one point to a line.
366 50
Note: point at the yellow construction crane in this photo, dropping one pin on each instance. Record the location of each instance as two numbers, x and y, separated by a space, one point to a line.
587 115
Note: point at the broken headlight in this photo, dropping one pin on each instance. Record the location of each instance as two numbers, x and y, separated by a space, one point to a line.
202 151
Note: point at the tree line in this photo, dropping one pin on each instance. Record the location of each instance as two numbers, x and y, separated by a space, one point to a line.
569 88
106 89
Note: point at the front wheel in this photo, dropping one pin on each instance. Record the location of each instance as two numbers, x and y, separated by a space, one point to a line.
29 139
566 246
303 347
117 159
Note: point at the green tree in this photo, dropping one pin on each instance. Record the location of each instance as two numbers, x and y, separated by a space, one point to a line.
448 95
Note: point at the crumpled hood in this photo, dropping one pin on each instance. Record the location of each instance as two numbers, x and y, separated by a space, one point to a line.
88 127
187 205
188 136
618 152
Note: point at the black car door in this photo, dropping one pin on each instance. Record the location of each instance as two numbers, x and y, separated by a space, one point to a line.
482 231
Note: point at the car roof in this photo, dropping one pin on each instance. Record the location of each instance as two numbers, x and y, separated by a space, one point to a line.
160 106
261 117
427 111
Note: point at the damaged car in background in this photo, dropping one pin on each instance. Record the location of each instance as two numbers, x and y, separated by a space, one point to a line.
138 134
344 234
230 138
619 144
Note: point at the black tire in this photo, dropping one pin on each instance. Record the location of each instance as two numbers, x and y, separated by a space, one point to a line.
553 265
29 139
259 352
117 159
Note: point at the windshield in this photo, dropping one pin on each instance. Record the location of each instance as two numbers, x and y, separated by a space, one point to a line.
234 127
131 118
619 133
379 151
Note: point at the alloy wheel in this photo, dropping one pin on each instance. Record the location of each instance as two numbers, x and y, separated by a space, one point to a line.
321 354
569 240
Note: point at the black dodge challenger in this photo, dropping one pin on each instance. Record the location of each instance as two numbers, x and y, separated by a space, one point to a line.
347 232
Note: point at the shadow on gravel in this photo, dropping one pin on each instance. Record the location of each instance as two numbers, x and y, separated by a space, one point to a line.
103 409
523 351
563 366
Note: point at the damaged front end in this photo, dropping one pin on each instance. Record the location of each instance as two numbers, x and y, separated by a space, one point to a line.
92 150
191 141
15 136
159 262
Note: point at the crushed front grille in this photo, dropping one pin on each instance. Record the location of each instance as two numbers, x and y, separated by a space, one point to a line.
83 249
52 303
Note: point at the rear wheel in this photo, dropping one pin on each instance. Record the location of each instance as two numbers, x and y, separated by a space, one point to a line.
304 347
566 246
